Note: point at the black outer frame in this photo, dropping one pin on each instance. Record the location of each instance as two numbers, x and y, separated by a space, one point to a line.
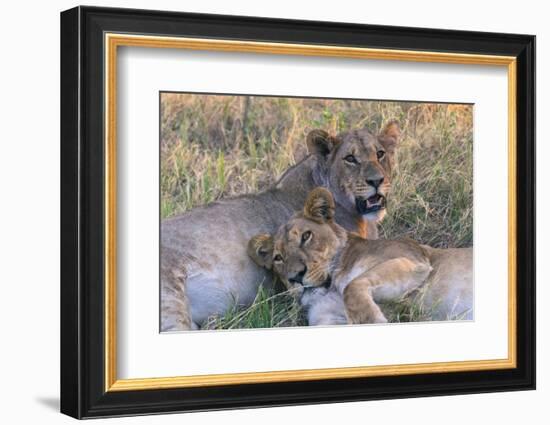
82 219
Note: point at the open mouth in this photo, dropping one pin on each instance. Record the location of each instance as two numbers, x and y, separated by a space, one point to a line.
369 205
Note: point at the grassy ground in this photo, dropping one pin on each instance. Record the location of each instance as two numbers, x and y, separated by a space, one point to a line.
218 146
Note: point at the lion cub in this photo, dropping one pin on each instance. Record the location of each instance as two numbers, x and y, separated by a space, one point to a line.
341 277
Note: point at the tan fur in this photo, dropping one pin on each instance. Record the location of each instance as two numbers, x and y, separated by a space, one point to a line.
174 308
354 180
448 292
389 280
210 242
366 272
362 228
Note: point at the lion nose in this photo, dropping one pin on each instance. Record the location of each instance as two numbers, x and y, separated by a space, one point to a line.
375 182
299 277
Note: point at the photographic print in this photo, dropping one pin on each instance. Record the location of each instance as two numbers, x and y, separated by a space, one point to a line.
287 211
322 196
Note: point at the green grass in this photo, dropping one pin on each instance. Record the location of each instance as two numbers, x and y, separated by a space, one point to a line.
219 146
269 310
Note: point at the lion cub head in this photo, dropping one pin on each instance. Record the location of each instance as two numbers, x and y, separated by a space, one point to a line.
302 250
356 166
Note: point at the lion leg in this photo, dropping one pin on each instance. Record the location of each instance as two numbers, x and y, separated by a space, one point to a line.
387 281
175 310
324 307
360 307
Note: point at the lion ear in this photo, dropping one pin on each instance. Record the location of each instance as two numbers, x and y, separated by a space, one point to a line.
320 205
389 136
320 143
260 249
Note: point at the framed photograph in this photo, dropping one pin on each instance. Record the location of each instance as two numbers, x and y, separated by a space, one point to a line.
261 212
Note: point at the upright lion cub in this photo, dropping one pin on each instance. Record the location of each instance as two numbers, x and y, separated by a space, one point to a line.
311 251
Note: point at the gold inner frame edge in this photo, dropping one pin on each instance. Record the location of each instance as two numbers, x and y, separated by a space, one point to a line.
113 40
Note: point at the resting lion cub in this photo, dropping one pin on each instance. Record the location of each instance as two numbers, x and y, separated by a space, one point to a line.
311 252
205 270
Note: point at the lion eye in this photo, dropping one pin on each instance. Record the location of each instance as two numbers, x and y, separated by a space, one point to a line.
306 236
350 159
278 259
380 154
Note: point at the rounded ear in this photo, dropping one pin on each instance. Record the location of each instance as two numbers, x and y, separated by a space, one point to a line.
260 249
389 136
320 143
320 205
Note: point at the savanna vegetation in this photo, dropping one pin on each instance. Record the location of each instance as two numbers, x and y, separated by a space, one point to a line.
219 146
